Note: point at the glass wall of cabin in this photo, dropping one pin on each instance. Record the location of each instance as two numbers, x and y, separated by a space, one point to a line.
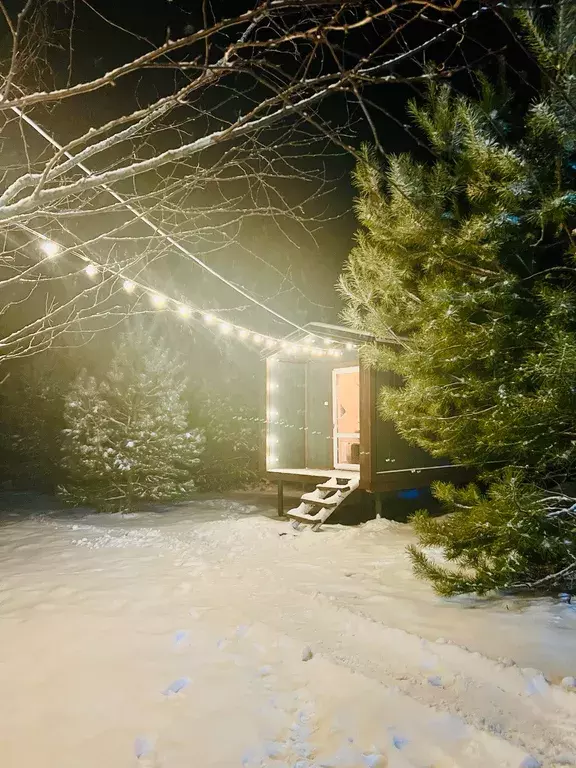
301 418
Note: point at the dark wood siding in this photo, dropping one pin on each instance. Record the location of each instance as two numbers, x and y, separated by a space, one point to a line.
392 451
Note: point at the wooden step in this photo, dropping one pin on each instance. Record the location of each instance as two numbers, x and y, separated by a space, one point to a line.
329 486
331 501
302 517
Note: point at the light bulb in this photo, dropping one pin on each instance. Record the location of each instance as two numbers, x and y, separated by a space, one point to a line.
128 286
91 270
208 318
158 300
224 327
243 333
184 311
50 248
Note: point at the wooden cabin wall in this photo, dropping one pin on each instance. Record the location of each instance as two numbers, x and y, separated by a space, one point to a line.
392 451
289 400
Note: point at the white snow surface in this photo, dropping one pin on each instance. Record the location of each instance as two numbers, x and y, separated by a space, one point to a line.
177 639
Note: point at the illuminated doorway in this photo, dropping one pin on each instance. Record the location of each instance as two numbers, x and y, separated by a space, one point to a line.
346 405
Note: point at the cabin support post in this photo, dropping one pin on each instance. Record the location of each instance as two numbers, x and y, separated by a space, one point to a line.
280 498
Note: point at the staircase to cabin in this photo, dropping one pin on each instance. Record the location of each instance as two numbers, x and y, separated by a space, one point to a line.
316 507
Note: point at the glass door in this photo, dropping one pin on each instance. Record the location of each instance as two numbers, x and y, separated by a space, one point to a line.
346 403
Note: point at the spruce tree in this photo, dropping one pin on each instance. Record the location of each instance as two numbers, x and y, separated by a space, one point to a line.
468 262
127 438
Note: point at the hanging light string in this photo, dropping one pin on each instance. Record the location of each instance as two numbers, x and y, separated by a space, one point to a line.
154 227
159 300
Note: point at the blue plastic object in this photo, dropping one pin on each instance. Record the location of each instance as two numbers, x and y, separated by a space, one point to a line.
409 493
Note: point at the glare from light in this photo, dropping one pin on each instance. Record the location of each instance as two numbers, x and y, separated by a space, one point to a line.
128 286
273 414
91 270
158 300
243 333
272 459
224 328
208 318
50 248
257 339
269 343
184 311
327 342
349 345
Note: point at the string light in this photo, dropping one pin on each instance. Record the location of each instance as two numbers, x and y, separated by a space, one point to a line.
50 248
91 270
158 300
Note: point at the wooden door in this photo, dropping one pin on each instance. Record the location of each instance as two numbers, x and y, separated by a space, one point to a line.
346 417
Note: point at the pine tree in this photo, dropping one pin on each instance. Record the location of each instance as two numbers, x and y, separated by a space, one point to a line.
468 261
127 438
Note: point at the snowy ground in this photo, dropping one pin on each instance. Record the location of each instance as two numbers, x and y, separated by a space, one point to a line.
104 619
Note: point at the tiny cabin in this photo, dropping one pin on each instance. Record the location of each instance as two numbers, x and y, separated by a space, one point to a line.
322 425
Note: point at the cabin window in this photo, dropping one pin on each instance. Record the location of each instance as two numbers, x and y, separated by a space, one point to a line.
346 401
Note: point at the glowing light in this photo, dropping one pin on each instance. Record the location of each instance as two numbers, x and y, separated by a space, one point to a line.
184 311
158 300
286 345
243 333
272 386
270 343
349 345
272 413
128 286
309 340
209 319
224 328
257 339
272 440
327 342
272 459
50 248
91 270
292 349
